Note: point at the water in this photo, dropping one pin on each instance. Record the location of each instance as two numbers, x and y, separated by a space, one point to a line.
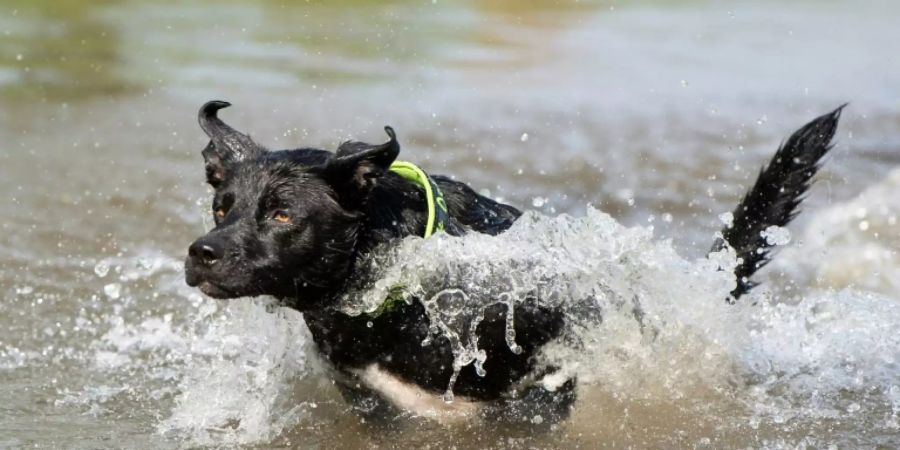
657 114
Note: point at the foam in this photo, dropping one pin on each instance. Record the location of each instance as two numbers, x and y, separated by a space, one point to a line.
853 243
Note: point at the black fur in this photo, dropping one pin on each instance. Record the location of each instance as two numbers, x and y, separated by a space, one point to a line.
773 200
294 223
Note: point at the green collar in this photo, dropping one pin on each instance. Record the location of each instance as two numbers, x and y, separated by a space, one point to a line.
438 218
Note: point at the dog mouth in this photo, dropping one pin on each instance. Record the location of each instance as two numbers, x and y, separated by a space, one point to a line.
215 291
208 287
200 279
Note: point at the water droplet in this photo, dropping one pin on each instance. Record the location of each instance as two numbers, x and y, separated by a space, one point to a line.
775 235
538 202
727 219
101 269
113 290
524 137
24 290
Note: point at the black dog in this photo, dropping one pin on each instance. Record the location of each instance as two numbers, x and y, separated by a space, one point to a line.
294 223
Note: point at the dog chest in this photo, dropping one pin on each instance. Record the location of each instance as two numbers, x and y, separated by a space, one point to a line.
413 399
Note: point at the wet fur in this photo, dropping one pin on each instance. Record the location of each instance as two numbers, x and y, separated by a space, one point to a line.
345 204
776 195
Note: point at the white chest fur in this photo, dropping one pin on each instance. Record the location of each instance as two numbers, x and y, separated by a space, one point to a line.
414 399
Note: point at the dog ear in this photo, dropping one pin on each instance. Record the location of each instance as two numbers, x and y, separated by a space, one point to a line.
357 166
226 145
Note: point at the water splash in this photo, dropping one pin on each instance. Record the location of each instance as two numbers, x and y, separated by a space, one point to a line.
240 374
667 333
255 358
216 372
588 266
837 252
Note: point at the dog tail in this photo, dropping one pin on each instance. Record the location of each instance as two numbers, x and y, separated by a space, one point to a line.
774 198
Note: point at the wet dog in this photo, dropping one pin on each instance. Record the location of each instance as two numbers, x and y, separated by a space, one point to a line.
294 224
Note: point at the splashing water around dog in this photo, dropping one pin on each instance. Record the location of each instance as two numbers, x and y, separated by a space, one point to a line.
591 267
665 335
548 105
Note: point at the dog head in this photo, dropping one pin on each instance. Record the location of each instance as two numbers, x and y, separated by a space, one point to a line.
286 222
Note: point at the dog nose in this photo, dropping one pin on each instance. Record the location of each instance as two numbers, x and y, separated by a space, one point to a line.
205 252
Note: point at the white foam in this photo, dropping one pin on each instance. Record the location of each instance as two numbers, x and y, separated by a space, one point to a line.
230 369
236 381
852 244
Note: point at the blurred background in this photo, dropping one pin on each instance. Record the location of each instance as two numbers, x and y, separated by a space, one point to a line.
659 113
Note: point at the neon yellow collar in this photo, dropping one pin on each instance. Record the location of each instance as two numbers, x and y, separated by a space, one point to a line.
438 216
438 220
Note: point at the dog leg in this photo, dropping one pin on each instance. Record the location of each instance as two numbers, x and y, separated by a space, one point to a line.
774 198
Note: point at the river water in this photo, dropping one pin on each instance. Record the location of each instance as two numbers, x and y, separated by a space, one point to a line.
658 114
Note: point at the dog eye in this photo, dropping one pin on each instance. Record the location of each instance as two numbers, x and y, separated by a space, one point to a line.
282 217
220 213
